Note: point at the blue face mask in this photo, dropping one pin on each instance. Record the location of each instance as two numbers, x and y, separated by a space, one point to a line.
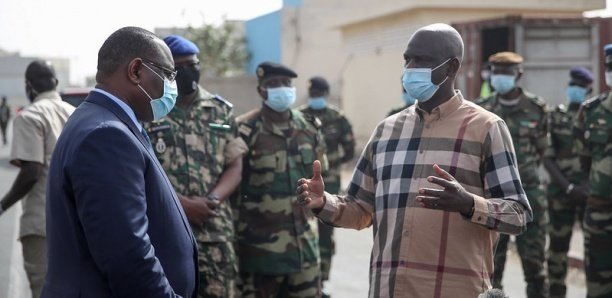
163 105
280 99
317 103
576 94
503 83
417 82
408 100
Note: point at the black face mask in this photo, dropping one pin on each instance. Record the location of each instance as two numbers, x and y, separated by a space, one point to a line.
187 80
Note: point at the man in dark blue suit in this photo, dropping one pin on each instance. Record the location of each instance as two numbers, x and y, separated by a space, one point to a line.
114 224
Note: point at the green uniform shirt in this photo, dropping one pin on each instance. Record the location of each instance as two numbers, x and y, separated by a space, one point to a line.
594 133
562 148
339 138
528 125
275 234
194 146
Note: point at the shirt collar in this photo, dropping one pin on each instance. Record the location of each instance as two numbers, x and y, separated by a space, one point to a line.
123 106
52 95
442 110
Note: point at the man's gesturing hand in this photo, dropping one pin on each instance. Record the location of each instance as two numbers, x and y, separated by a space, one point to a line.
310 191
453 197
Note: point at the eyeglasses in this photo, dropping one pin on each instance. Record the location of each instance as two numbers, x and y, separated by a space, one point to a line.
170 74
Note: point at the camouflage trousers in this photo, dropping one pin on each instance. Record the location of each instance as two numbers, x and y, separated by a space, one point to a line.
531 248
598 247
218 270
563 213
304 284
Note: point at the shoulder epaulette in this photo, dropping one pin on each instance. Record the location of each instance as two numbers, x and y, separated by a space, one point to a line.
595 101
313 119
223 101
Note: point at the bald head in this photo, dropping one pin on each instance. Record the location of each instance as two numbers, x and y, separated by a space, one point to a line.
440 41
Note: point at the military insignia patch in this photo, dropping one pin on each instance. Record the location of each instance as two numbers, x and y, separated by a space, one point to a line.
160 146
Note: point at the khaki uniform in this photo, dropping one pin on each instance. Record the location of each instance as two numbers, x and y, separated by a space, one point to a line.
35 133
528 125
194 146
277 238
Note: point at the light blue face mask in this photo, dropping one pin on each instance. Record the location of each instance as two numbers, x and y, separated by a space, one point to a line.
163 105
417 82
503 83
280 99
317 103
576 94
408 100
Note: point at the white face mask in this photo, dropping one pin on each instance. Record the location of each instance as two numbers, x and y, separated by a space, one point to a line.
609 78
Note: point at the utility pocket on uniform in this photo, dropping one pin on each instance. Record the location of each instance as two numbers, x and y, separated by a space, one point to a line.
598 136
262 169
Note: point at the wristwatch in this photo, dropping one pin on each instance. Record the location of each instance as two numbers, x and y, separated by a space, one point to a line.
213 197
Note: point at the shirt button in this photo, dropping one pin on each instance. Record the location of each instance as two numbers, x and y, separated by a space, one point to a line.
479 218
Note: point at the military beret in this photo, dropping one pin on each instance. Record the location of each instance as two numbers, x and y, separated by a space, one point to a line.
266 69
180 46
319 83
506 58
581 74
608 49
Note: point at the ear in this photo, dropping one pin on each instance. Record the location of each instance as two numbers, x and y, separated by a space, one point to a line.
262 92
519 74
453 67
133 70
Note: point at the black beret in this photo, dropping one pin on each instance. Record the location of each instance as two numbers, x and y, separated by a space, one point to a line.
267 69
319 83
581 74
608 49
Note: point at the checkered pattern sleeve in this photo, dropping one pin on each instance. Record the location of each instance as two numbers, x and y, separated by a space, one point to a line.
355 210
505 207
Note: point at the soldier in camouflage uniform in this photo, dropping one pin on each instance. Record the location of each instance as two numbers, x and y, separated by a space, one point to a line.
567 191
278 243
340 142
198 147
594 134
408 101
525 115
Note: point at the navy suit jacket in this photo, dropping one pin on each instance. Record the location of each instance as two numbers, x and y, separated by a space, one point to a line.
115 227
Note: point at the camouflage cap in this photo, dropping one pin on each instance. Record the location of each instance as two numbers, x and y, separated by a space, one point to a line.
266 69
506 58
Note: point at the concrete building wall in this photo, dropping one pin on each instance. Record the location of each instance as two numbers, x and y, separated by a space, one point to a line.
374 47
263 36
12 75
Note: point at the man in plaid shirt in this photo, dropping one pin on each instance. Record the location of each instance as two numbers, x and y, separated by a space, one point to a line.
438 181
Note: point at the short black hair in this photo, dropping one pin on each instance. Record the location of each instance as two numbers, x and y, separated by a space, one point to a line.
124 45
40 74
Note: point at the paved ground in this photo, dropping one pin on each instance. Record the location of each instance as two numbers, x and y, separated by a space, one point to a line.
349 276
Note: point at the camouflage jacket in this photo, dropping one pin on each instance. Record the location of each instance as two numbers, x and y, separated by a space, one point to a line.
594 135
562 147
275 234
528 125
339 139
194 147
